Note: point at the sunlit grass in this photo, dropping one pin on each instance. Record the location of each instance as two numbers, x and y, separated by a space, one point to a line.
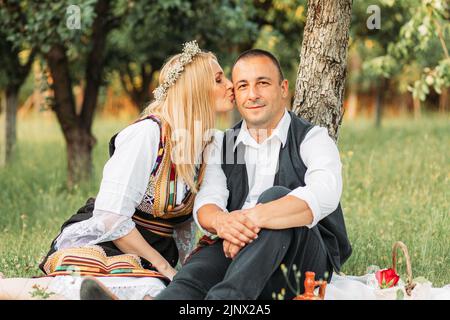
396 187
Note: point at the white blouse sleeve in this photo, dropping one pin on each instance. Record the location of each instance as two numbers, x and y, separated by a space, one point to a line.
214 185
125 179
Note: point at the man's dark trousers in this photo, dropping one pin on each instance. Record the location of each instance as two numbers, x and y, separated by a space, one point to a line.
255 272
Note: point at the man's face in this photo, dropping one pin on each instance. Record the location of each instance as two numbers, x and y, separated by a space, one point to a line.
259 92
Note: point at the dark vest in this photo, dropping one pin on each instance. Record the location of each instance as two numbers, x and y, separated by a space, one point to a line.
291 173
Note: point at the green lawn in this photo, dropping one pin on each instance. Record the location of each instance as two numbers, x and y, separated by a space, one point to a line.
396 187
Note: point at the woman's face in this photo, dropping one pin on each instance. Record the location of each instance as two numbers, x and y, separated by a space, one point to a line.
223 89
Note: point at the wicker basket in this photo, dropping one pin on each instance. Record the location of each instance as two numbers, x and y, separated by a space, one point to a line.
407 288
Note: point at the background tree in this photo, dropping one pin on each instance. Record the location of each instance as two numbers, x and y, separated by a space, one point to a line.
319 92
422 43
16 64
371 42
152 31
73 56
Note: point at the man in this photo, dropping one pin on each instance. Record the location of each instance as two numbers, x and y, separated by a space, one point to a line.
273 201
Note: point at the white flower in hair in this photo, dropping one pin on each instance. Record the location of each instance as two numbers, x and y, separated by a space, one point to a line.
190 50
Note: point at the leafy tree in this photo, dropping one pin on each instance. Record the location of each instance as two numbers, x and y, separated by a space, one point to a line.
424 34
72 41
16 64
281 25
154 30
319 92
370 41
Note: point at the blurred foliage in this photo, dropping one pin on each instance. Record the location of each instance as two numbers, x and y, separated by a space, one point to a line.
410 48
422 42
37 26
152 31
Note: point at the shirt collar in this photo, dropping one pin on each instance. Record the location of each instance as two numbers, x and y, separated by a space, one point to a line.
280 132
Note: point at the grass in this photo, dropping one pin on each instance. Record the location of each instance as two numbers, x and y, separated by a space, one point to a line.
396 187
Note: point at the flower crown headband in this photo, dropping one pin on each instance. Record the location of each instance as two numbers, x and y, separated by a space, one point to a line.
190 50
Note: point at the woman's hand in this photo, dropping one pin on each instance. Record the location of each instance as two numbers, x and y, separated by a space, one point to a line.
166 270
134 243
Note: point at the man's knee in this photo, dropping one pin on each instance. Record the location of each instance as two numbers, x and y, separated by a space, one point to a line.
276 237
273 193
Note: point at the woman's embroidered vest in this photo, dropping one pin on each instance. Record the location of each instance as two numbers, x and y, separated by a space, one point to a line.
158 211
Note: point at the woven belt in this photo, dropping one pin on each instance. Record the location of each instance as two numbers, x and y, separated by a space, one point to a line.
158 227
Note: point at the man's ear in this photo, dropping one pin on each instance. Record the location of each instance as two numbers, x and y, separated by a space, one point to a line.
284 88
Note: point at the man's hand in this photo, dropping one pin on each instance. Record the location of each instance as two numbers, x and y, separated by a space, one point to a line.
235 227
230 249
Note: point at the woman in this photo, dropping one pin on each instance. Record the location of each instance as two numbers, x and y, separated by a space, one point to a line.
125 236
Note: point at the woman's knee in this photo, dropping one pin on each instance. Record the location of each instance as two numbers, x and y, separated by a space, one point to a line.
273 193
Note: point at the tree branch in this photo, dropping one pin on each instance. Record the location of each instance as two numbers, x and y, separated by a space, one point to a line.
62 87
95 62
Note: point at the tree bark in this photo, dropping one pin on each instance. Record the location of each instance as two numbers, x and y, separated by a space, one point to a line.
3 129
444 100
352 102
140 95
76 127
79 141
417 108
95 62
319 91
15 73
379 100
8 123
12 96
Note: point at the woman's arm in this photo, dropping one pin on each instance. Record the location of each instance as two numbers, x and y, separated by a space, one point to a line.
134 243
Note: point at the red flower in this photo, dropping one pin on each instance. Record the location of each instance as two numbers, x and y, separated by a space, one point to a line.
387 278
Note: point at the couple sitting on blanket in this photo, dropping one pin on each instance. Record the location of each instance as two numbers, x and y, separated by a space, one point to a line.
264 193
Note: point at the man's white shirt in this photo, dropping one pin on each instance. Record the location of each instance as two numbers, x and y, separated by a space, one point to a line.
323 178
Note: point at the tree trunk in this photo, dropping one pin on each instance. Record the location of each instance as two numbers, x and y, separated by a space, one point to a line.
8 124
3 129
79 156
95 63
417 108
443 100
76 127
354 66
12 96
319 91
141 95
79 140
379 101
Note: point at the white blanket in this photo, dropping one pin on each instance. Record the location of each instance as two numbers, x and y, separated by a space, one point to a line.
340 288
364 288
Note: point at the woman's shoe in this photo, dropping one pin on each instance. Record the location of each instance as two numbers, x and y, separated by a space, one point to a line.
92 289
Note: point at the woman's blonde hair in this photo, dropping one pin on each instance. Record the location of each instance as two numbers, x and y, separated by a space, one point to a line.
187 114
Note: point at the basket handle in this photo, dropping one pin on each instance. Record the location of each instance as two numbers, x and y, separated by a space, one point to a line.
409 283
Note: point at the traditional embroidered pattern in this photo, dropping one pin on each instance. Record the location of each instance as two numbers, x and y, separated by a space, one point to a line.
160 197
154 214
93 261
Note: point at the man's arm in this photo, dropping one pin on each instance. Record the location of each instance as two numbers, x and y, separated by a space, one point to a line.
306 206
286 212
210 203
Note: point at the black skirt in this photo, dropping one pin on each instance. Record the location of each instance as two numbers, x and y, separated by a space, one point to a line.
166 246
